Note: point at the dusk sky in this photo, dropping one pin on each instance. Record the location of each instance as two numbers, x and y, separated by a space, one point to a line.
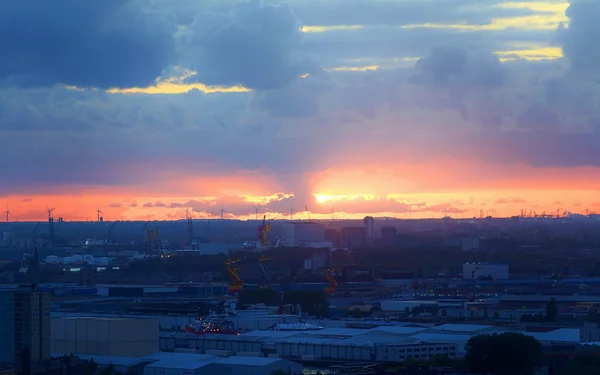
420 108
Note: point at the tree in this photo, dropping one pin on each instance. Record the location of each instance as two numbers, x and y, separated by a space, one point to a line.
584 363
507 353
551 310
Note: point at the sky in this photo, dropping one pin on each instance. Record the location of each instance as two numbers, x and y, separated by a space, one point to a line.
343 108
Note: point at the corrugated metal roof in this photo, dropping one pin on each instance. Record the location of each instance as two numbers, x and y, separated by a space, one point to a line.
179 364
186 361
398 330
462 327
268 334
106 360
248 361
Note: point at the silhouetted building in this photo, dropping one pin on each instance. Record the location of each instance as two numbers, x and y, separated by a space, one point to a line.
388 235
354 238
300 232
24 326
334 236
370 230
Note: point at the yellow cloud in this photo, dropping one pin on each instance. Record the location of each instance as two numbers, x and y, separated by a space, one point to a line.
263 200
355 68
551 14
176 85
534 54
558 7
322 29
324 198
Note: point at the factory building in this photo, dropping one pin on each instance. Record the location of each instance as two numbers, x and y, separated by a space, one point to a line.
303 233
161 363
393 343
117 337
24 324
491 271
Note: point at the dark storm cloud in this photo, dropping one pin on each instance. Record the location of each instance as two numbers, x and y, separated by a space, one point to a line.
392 12
449 66
386 42
102 44
253 45
299 100
580 39
539 116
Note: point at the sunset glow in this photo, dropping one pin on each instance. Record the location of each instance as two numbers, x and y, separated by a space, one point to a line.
384 108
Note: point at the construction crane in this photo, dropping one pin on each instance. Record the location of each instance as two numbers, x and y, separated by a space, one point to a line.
333 285
263 231
235 284
265 275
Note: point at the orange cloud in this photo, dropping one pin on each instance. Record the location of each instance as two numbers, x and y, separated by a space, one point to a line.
430 189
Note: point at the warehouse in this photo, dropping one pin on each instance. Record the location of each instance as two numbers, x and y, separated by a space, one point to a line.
198 364
120 337
384 343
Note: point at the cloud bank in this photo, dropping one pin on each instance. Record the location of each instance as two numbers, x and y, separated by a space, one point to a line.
363 100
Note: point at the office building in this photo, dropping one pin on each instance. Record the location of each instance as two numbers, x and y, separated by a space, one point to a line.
24 326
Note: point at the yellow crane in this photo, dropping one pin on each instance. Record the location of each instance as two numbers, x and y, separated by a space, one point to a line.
235 283
333 285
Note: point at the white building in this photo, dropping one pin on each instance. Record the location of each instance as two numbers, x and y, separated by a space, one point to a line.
485 270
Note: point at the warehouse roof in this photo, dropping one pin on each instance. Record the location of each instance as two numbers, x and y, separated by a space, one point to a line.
186 361
398 330
107 360
179 364
248 361
462 327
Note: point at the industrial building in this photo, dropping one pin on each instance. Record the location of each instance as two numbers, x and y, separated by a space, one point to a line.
394 343
490 271
117 337
305 233
24 323
197 364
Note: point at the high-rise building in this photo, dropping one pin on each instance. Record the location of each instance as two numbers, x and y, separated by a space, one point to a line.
370 230
354 238
24 326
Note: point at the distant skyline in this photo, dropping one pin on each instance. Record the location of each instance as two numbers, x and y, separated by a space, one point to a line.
146 108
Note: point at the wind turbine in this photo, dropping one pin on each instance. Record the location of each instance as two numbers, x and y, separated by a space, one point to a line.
222 212
98 212
49 212
7 212
332 212
256 213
